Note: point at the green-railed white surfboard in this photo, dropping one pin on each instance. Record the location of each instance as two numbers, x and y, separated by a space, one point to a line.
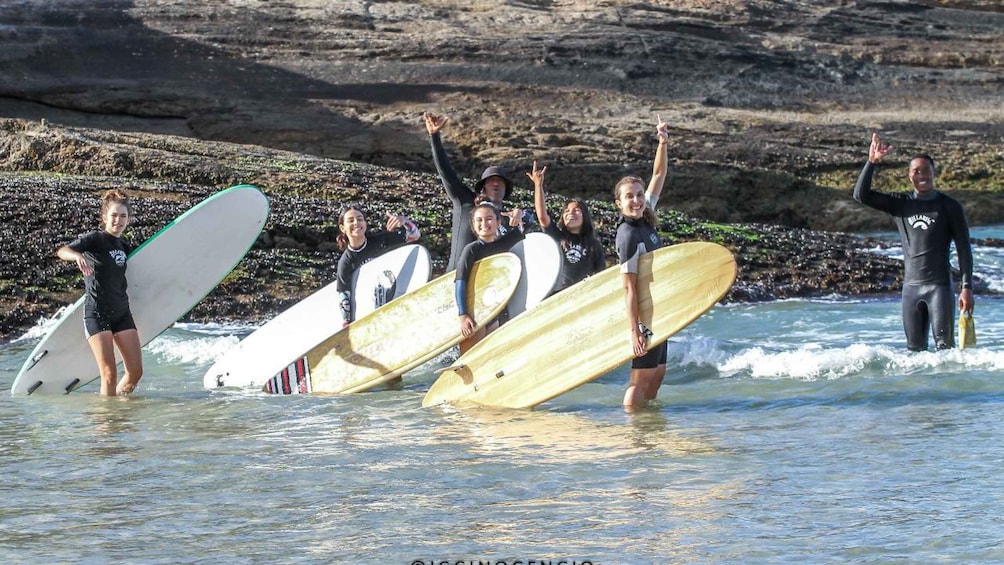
168 275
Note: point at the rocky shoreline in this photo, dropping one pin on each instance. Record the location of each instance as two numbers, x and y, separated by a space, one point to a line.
770 106
56 199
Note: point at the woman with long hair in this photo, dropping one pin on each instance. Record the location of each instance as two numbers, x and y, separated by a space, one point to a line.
108 324
637 234
581 250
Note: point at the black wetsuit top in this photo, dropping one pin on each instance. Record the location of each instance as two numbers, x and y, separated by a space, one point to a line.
477 250
581 258
105 290
634 239
927 226
376 244
462 197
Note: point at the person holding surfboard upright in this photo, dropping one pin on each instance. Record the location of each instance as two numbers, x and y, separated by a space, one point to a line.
637 235
494 185
928 222
108 323
485 220
581 251
358 247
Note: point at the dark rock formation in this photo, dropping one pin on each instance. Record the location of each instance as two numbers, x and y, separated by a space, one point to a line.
771 105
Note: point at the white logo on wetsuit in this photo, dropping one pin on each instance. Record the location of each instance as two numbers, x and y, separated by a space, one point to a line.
118 256
654 238
575 253
921 222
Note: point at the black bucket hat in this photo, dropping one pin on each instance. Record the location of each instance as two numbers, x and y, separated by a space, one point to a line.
494 172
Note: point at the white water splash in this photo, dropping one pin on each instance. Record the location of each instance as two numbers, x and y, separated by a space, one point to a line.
813 362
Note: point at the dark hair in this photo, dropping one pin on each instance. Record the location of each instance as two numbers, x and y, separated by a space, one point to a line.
485 203
923 156
114 196
648 216
341 239
587 235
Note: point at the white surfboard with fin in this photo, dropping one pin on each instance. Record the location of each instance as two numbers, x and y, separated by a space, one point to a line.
541 260
280 343
168 275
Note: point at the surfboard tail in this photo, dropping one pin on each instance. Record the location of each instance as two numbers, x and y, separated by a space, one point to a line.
294 379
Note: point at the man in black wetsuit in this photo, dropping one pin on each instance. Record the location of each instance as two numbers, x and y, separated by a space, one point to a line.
928 222
494 185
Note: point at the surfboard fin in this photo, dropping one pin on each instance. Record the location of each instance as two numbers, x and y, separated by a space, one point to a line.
32 388
35 360
69 388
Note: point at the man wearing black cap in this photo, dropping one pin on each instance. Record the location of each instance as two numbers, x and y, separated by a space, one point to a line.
494 186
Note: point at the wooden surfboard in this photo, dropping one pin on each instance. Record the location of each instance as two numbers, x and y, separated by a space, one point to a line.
275 345
168 275
403 334
581 333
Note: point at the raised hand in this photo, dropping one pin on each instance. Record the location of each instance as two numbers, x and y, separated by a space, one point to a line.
434 123
877 150
662 129
394 222
515 217
537 175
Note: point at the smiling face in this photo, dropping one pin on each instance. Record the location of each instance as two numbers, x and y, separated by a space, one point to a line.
115 218
922 175
494 189
485 223
571 217
353 225
631 199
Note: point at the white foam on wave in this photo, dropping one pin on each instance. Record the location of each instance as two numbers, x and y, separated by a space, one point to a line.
42 326
813 362
213 328
175 348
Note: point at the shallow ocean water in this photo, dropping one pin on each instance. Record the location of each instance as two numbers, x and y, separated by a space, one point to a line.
793 431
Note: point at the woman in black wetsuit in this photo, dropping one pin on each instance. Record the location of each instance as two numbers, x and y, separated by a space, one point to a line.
358 248
485 220
637 235
108 323
581 251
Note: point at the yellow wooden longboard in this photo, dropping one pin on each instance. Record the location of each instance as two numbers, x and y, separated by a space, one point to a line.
582 332
410 330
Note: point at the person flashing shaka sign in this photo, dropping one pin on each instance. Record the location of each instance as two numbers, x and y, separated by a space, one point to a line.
494 186
928 222
108 323
359 248
581 250
485 220
637 235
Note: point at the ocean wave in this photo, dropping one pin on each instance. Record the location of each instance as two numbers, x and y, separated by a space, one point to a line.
813 362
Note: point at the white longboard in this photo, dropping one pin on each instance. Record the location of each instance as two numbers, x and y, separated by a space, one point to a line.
541 260
290 335
168 275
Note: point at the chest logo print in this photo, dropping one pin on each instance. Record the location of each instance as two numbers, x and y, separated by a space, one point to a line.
921 222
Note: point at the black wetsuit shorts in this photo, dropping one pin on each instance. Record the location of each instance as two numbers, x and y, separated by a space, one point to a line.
95 323
655 357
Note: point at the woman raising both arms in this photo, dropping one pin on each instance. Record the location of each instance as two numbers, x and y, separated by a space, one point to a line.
582 252
637 235
108 323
